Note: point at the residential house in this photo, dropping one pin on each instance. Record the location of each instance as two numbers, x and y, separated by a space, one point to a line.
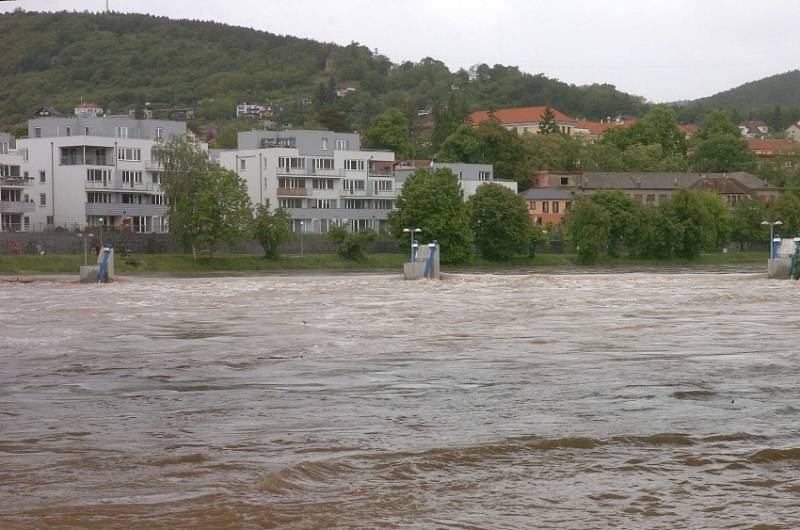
524 120
753 129
793 132
84 170
654 188
769 147
593 130
689 129
547 206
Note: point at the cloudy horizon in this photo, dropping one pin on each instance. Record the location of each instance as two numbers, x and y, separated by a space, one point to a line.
664 50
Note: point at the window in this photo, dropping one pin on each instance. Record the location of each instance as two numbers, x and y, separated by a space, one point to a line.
133 198
25 175
324 144
651 198
545 207
156 178
323 203
383 185
98 175
27 221
50 220
531 205
69 130
323 163
322 184
483 176
37 132
129 154
290 203
131 177
524 129
86 131
383 205
353 185
342 145
565 181
160 199
3 147
662 198
354 204
242 164
42 199
122 132
159 133
98 197
42 176
287 163
354 165
555 206
291 183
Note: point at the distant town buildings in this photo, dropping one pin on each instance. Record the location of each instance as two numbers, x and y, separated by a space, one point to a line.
524 119
753 129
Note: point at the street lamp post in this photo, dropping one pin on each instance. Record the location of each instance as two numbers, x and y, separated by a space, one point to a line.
772 226
412 233
100 220
302 229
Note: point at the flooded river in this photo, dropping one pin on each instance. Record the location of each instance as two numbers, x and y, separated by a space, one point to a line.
543 401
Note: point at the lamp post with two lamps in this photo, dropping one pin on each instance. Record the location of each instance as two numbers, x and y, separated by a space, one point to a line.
412 232
772 225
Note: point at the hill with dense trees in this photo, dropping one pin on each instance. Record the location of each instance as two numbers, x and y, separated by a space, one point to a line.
123 61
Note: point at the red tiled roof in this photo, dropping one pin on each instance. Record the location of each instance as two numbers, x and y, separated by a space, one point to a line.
518 115
689 128
597 128
89 106
771 145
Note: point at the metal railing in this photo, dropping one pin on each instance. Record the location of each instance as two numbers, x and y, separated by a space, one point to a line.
17 206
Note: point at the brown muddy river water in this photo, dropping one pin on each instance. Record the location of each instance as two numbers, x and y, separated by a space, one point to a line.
363 401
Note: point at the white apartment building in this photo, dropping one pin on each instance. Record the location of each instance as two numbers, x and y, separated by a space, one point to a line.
470 176
319 177
85 170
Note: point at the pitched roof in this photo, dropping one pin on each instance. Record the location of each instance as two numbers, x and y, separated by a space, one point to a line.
662 180
721 185
772 145
549 194
689 128
517 115
599 127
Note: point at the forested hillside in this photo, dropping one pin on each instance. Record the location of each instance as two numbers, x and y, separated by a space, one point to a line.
122 61
774 99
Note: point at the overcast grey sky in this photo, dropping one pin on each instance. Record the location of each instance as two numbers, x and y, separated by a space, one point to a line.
664 50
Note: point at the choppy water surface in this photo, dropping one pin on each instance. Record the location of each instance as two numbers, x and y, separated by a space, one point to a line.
577 401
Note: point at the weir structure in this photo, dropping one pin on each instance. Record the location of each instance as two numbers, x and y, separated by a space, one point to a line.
784 256
103 272
424 262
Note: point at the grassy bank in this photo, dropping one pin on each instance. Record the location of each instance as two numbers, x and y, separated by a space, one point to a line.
184 264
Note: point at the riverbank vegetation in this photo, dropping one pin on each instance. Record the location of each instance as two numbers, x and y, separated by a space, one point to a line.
255 263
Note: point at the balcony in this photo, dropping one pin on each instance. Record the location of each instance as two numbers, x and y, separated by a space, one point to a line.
153 166
124 186
16 182
17 206
119 208
293 192
381 173
338 213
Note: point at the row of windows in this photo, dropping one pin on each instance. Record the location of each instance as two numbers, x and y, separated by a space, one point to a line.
350 204
99 197
547 206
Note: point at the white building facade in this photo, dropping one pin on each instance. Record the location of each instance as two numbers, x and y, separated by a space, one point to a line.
320 177
74 172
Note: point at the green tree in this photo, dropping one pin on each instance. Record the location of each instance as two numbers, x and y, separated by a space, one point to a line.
334 120
500 221
488 143
786 208
433 201
652 235
723 153
746 227
623 214
224 212
722 219
548 125
552 152
659 126
693 227
352 246
390 131
716 123
208 205
271 229
588 227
